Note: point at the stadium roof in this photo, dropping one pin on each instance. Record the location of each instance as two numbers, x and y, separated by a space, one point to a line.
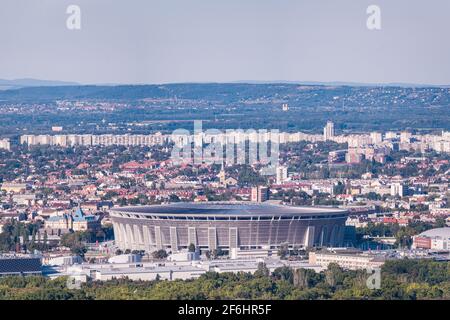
227 208
438 232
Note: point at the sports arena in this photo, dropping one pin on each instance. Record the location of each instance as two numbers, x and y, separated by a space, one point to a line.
226 226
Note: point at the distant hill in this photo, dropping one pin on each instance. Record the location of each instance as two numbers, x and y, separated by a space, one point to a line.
229 105
206 91
348 84
22 83
223 93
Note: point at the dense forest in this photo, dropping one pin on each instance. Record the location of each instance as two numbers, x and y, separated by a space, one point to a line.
401 279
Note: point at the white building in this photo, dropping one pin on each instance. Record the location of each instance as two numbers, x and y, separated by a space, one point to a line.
347 260
282 174
377 137
435 239
125 258
405 137
169 270
5 144
397 189
391 135
328 131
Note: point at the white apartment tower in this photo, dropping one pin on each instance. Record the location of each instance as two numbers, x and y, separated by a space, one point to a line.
376 137
405 137
328 131
282 174
5 144
397 189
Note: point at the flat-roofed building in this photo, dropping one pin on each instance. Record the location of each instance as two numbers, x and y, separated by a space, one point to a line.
11 265
13 187
436 239
5 144
351 260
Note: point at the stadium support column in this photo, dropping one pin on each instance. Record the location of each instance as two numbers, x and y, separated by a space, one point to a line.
158 237
233 235
340 240
270 232
139 240
334 236
173 239
212 238
117 235
129 236
309 237
192 236
147 238
123 237
323 236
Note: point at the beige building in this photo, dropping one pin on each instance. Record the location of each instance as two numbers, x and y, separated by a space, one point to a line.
5 144
351 260
328 131
77 221
89 139
14 187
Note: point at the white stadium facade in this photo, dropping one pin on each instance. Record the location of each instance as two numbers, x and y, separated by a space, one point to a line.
226 226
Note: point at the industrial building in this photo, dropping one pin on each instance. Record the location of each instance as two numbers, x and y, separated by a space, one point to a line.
147 271
11 265
435 239
347 259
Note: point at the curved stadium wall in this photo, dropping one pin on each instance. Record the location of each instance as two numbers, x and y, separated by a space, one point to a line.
226 225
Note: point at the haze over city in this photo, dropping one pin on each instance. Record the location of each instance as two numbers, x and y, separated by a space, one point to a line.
211 41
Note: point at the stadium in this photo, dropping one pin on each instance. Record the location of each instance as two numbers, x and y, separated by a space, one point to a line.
226 226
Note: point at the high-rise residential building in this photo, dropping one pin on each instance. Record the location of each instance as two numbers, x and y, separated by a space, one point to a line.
405 137
282 174
391 135
397 189
328 131
376 137
353 156
260 194
88 139
5 144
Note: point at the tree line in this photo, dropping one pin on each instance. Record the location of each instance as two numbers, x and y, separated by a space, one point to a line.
400 279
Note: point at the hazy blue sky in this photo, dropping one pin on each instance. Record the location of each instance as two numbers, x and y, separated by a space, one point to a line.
159 41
